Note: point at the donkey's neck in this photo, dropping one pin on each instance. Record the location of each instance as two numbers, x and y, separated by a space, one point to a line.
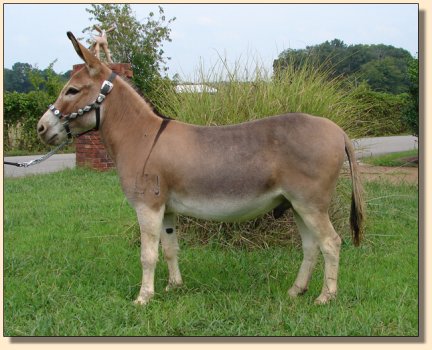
129 123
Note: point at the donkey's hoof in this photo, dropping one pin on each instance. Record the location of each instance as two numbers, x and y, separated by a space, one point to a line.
173 286
140 301
295 291
325 298
143 299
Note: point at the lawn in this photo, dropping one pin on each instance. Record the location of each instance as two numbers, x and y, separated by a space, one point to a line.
72 267
398 159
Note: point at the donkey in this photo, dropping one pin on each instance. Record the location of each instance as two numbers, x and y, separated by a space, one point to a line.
225 173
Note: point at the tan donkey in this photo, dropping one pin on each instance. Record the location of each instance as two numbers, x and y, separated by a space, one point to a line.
226 173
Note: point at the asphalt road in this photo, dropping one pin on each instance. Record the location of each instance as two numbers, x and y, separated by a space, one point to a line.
57 162
365 147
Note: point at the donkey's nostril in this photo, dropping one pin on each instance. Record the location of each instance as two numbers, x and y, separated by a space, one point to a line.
41 129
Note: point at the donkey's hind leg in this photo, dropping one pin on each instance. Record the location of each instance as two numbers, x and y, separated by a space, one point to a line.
319 226
310 254
170 249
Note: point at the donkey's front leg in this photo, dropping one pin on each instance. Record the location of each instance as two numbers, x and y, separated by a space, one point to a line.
150 222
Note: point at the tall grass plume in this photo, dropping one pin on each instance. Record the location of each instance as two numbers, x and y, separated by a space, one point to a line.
249 91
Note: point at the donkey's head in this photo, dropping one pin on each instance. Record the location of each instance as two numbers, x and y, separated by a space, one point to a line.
76 108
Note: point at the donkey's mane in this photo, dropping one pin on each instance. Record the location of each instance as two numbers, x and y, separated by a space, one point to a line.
139 92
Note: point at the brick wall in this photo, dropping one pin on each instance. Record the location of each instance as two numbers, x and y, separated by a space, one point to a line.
90 151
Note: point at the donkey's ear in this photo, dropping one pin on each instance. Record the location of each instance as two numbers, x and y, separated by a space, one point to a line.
92 63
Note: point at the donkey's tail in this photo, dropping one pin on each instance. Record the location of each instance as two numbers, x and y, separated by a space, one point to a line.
357 215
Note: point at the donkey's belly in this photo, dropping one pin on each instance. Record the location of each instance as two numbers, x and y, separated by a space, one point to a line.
226 209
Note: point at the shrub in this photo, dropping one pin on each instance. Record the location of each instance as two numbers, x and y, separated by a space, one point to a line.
385 111
22 110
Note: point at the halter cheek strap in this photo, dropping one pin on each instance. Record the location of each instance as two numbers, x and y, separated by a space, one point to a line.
106 88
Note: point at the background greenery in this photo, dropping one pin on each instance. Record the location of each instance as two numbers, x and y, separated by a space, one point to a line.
22 110
383 67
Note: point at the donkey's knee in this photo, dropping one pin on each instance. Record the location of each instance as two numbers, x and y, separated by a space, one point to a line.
330 248
149 257
170 251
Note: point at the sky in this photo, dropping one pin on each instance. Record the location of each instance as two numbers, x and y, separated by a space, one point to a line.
203 33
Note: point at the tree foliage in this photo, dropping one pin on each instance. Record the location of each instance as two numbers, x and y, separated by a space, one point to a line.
139 43
21 78
17 78
385 78
383 67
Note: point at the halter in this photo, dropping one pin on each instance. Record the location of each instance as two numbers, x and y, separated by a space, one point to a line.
106 88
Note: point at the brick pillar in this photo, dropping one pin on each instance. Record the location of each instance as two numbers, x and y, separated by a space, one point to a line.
90 151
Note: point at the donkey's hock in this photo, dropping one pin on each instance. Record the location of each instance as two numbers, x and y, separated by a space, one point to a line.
228 173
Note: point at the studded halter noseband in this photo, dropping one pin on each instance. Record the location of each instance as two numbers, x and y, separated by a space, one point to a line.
106 88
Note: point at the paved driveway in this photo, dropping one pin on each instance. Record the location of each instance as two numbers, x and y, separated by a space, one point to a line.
56 163
375 146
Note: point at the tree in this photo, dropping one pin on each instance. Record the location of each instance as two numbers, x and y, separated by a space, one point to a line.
24 78
384 67
135 42
386 75
16 79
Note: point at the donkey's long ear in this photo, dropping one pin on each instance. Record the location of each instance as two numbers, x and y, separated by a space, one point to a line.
93 64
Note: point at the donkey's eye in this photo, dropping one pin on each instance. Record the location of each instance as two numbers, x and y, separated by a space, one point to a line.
72 91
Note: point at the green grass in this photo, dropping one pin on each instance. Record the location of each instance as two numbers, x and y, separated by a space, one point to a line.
393 159
71 267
